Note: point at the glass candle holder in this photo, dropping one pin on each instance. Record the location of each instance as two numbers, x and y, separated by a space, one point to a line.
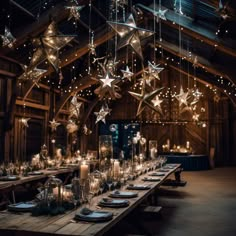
105 151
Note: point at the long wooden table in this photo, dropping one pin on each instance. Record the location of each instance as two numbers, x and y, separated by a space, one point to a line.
12 224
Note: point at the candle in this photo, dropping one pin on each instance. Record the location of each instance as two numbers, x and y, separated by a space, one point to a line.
84 170
187 144
116 168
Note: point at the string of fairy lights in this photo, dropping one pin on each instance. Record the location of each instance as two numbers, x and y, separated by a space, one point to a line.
76 74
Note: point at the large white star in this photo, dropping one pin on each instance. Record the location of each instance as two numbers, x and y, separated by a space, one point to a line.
107 80
48 47
54 124
160 14
130 34
102 114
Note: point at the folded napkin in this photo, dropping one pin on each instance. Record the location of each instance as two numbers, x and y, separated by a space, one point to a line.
86 211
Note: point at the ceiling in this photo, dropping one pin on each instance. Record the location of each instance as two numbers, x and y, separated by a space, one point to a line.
196 34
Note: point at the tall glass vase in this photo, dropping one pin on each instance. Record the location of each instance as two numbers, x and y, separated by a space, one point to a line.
105 152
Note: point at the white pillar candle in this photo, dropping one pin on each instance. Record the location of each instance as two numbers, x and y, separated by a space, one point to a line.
187 144
116 168
84 169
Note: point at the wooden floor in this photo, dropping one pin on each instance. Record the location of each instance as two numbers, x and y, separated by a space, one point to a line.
206 206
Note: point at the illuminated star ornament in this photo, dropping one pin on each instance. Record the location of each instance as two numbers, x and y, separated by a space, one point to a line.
195 117
74 12
102 114
145 100
160 14
48 46
74 108
32 74
54 124
24 121
130 34
8 39
182 97
157 103
127 73
153 72
108 87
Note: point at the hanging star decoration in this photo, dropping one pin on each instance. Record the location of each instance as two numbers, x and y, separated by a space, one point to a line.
195 117
103 112
31 74
160 14
157 103
130 34
8 39
86 130
145 100
54 124
74 108
108 87
196 94
48 46
74 12
24 121
153 72
127 74
71 127
182 97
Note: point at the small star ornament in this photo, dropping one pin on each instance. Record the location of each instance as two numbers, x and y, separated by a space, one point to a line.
31 74
195 117
182 97
157 103
8 39
74 108
153 71
74 12
48 46
24 122
127 74
54 124
145 100
102 114
130 34
160 14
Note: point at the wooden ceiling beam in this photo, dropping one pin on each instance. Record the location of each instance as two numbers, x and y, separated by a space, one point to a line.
192 29
23 9
201 62
68 60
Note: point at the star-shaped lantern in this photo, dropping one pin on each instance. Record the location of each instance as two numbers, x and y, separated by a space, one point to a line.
74 108
145 100
8 39
24 121
54 124
130 34
74 12
182 97
153 72
48 46
103 112
108 87
127 73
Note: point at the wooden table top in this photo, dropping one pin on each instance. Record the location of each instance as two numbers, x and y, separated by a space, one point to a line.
16 224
